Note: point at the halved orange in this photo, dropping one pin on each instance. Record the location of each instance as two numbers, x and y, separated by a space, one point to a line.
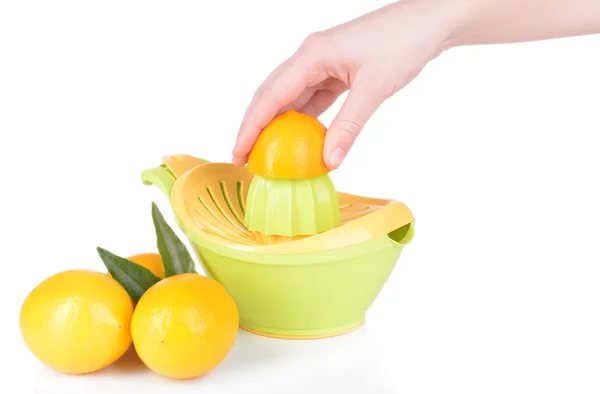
290 147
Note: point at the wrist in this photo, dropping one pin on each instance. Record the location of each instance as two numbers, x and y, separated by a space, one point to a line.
451 18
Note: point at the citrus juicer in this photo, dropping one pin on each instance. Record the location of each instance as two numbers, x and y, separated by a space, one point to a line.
306 287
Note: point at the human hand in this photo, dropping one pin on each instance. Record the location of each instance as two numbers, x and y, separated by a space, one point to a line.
379 53
372 56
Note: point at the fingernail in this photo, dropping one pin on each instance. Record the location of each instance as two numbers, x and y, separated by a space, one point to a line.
336 157
239 161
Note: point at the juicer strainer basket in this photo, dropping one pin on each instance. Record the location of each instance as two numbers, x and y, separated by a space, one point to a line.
210 201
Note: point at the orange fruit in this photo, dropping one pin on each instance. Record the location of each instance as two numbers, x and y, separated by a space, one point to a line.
77 321
184 326
290 147
152 261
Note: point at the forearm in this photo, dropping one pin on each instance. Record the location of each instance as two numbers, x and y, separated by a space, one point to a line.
510 21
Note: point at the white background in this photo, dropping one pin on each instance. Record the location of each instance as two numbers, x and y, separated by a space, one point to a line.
495 149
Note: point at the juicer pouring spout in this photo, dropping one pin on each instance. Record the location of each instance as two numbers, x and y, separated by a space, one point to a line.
172 168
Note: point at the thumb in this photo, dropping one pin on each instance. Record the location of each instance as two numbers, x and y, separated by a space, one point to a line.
360 105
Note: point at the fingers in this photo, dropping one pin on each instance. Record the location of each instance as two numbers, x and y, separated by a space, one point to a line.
275 93
326 93
319 102
362 102
266 82
299 102
279 90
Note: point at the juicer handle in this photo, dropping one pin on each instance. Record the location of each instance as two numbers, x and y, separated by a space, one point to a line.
160 177
404 234
178 165
172 168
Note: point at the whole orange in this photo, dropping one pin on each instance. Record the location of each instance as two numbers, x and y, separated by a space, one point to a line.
184 326
290 147
77 321
152 261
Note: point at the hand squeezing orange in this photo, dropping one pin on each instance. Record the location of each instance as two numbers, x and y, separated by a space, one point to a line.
291 193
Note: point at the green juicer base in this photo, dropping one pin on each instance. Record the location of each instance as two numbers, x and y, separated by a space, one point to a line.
303 296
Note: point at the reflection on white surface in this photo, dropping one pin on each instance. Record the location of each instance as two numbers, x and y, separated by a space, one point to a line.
348 363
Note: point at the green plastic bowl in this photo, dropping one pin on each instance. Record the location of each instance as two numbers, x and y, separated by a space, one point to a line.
296 296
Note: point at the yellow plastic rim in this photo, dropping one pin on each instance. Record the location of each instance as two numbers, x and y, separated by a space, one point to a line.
209 200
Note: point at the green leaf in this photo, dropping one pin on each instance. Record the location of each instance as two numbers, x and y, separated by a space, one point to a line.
134 278
175 256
